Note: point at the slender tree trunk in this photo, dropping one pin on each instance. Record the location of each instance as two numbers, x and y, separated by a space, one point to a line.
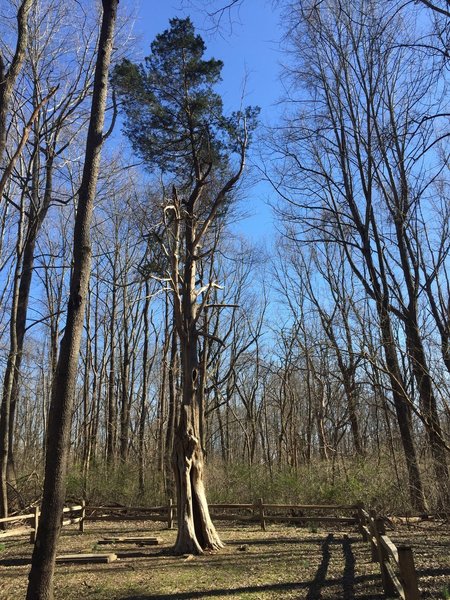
144 395
9 76
172 414
8 383
125 383
40 585
111 419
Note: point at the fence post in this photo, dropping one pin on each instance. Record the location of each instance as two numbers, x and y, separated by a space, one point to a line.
361 520
408 575
170 514
373 534
82 516
34 524
261 514
383 557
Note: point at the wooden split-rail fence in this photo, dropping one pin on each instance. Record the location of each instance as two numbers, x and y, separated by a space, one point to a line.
398 572
71 515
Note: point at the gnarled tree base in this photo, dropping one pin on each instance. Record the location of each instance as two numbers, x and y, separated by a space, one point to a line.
196 531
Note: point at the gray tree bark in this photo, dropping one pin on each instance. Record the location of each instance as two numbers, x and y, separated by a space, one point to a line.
40 586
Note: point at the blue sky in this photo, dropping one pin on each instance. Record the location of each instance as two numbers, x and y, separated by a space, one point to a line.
249 49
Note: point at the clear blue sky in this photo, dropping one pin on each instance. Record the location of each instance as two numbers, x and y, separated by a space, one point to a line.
249 49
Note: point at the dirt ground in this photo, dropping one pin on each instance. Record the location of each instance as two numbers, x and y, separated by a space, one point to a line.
283 562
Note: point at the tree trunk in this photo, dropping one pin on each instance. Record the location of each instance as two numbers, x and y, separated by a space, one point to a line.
196 531
111 418
10 373
172 414
144 399
40 586
8 77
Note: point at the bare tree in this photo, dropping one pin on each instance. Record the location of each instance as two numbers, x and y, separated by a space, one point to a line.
43 561
9 74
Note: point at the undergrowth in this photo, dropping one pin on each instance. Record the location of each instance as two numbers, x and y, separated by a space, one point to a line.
369 480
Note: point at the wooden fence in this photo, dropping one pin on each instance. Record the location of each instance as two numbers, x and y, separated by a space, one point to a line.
257 512
398 573
71 515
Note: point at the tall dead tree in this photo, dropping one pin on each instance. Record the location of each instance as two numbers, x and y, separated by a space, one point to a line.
202 154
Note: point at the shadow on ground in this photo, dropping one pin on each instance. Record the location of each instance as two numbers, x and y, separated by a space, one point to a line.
312 588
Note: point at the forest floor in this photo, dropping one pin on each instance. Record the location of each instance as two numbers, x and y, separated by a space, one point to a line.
283 562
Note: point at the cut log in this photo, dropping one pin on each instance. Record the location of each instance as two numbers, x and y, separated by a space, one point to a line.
147 541
86 558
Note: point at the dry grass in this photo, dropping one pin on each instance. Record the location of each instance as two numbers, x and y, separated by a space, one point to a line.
284 562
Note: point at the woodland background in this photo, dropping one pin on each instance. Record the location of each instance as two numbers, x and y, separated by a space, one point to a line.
326 375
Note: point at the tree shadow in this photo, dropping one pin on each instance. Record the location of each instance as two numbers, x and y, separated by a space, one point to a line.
314 591
278 588
313 588
348 577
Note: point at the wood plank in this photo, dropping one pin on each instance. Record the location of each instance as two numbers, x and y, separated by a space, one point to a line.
390 547
128 508
311 506
86 558
16 518
126 517
76 508
309 519
395 580
243 518
143 540
231 506
365 514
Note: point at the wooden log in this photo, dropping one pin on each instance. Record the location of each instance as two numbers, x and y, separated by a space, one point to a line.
86 558
408 574
147 541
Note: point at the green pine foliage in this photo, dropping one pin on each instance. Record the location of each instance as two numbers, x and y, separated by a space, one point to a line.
173 115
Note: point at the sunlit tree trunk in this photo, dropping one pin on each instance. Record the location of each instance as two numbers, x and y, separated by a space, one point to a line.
40 586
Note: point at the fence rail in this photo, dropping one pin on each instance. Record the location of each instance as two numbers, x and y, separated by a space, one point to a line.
398 573
71 515
256 512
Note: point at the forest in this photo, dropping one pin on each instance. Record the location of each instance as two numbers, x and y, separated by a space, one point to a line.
150 349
